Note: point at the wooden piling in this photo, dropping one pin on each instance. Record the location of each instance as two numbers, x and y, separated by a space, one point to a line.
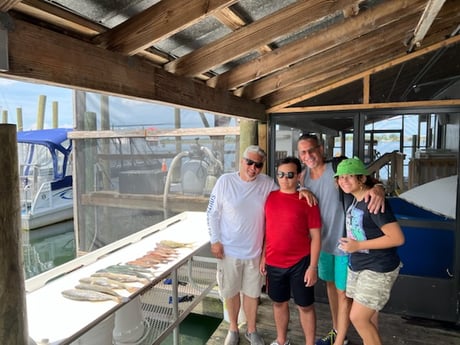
13 319
19 119
41 112
55 119
248 136
4 116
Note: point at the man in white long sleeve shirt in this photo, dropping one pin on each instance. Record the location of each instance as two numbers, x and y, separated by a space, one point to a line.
235 218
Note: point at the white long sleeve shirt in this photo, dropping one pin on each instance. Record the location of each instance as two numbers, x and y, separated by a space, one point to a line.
235 214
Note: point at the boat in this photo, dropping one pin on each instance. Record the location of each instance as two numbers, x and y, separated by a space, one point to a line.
45 177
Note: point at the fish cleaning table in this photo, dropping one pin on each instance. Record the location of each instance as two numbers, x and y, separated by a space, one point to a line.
177 286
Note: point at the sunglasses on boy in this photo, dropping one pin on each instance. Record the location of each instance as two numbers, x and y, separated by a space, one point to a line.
290 175
250 162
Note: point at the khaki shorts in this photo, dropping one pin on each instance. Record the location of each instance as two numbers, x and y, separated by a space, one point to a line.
238 275
369 288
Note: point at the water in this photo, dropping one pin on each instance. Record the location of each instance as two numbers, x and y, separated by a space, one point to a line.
196 329
48 247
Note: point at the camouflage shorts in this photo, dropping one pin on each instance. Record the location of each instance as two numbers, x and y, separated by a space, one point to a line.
369 288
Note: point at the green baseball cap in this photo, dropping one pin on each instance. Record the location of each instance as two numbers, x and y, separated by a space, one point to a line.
351 166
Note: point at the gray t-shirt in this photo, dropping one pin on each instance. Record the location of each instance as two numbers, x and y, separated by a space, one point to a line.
331 208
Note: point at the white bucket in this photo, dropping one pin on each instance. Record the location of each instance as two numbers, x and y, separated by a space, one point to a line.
241 315
129 324
101 334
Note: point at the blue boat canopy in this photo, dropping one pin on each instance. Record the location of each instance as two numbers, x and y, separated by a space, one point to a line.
52 138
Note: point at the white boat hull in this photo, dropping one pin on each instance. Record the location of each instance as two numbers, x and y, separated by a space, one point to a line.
45 218
49 207
46 193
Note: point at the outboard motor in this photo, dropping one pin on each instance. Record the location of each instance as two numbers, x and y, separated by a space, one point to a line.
199 173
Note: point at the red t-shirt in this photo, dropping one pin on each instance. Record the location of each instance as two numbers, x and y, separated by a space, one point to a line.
288 221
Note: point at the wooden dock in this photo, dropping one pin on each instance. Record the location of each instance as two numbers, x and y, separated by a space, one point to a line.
394 329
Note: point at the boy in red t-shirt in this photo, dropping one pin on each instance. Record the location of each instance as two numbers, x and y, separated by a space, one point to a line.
291 251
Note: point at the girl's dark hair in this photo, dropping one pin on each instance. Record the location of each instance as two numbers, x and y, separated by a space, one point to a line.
370 180
288 160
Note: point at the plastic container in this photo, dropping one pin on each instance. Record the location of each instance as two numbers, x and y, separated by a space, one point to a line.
129 324
101 334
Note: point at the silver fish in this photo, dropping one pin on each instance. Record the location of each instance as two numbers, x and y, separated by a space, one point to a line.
129 270
113 284
98 288
124 278
89 295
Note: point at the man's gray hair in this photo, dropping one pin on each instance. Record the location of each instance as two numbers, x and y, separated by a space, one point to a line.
255 149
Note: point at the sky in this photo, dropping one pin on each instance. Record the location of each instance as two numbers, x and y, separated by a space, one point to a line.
15 94
123 111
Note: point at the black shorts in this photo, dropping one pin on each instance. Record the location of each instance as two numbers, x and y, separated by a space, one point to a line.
282 283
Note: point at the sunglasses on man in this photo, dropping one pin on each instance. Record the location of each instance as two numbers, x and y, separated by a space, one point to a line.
250 162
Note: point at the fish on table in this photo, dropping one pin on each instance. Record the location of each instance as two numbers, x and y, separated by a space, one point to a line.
109 283
174 244
98 288
130 269
89 295
124 278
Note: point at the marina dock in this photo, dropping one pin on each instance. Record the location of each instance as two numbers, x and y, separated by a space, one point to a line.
394 329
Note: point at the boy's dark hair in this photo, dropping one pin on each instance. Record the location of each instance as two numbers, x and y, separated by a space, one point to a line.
288 160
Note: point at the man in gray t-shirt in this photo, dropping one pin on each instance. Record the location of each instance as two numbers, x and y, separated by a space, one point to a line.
319 180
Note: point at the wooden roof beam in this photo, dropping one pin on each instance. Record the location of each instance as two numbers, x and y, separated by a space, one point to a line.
234 21
158 22
281 105
311 45
58 16
68 62
320 63
287 20
6 5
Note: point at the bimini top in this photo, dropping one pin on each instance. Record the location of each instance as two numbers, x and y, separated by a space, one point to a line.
52 138
55 140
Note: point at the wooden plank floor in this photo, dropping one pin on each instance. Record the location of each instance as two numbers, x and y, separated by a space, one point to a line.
395 330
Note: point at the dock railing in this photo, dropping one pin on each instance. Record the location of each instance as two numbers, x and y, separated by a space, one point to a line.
394 162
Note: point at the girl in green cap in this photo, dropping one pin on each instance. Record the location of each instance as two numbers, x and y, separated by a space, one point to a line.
371 242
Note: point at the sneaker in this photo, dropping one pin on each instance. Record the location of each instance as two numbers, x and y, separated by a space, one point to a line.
329 339
276 343
232 338
254 338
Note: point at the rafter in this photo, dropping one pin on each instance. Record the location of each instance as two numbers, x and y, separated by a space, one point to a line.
315 44
60 17
162 20
321 63
69 62
431 11
6 5
234 21
290 19
290 98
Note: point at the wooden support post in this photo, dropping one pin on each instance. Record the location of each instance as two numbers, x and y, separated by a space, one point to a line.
178 124
41 112
89 159
366 88
55 115
248 135
4 116
19 119
13 312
